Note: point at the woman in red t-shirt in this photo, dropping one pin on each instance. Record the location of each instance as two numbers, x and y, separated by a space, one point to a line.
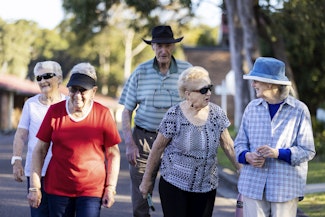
83 172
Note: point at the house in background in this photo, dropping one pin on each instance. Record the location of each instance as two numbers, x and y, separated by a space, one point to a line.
15 91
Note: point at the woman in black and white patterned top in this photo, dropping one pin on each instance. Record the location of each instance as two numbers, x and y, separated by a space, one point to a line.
188 140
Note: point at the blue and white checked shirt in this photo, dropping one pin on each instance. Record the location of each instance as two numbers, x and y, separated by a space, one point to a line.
291 129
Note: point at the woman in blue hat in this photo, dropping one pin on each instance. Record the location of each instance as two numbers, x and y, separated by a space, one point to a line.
274 143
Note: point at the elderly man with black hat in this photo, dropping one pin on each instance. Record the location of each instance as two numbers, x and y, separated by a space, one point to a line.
151 90
274 143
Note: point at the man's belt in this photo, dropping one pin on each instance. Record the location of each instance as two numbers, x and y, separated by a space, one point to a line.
144 130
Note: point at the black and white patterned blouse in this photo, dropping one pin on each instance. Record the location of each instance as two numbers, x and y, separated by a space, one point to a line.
189 161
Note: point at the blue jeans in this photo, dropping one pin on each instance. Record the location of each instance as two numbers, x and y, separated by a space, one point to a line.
61 206
43 209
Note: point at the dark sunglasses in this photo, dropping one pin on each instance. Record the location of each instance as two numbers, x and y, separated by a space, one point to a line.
74 90
204 90
45 76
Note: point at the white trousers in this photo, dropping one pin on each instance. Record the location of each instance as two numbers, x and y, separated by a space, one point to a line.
263 208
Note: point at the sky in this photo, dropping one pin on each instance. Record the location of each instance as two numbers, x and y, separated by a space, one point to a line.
49 13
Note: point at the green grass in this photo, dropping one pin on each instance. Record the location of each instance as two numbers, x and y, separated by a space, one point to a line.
316 171
313 205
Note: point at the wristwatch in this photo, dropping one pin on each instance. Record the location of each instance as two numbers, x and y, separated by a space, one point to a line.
14 158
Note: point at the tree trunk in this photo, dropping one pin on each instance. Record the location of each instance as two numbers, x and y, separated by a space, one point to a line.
235 43
247 19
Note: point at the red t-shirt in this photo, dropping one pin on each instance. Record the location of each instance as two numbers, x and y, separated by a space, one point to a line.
77 166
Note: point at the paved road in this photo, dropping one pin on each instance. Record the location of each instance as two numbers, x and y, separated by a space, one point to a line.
13 201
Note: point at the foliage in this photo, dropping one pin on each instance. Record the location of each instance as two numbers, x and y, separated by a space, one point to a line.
302 24
316 170
89 16
16 40
319 137
200 35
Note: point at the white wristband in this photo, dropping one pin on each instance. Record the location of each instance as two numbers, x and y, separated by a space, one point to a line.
14 158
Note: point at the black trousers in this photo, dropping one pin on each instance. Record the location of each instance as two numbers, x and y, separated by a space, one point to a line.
178 203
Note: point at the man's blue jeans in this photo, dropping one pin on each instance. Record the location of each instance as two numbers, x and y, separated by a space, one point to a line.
61 206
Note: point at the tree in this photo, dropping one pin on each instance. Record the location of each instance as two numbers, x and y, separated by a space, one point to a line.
240 20
257 29
16 45
302 25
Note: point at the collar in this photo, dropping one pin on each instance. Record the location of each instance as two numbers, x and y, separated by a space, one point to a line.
289 100
172 67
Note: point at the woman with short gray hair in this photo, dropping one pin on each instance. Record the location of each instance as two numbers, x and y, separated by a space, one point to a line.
48 75
188 140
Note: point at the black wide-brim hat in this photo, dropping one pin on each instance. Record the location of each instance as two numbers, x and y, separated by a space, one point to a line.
163 35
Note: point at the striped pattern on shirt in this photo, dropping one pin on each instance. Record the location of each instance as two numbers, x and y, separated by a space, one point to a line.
151 93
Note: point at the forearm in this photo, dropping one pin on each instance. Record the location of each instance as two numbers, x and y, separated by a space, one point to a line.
20 140
126 125
227 146
112 167
38 157
230 153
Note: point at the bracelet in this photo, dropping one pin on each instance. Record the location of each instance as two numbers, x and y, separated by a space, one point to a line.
33 189
14 158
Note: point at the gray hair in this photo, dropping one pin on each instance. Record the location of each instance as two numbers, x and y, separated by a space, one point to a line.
49 65
284 91
189 77
86 69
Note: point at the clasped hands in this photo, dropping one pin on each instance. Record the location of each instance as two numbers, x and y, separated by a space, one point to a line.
257 159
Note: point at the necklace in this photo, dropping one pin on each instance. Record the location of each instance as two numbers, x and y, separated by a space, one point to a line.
197 117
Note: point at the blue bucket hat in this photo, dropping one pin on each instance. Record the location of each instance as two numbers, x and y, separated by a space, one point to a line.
268 70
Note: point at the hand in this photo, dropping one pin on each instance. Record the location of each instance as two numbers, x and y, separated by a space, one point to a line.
132 152
268 152
145 187
255 159
18 171
108 198
34 198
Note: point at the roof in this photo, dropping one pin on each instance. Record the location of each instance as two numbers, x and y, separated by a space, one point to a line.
12 83
17 85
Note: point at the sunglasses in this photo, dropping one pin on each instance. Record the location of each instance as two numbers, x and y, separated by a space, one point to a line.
74 90
204 90
45 76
